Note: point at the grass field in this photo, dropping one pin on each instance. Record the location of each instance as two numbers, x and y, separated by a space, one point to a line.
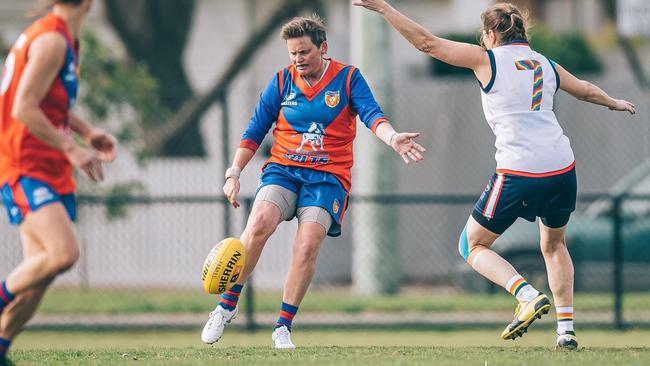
328 347
346 345
113 301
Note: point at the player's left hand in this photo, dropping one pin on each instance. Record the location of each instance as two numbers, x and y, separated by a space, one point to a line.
404 144
374 5
623 106
104 143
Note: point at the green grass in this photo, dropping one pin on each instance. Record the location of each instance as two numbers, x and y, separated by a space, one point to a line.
328 347
75 301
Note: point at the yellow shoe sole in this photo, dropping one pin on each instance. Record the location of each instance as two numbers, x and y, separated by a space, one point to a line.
523 327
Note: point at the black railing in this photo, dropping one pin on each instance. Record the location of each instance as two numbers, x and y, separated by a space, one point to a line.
616 214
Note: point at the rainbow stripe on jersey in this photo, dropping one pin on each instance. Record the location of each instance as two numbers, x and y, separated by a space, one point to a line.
538 80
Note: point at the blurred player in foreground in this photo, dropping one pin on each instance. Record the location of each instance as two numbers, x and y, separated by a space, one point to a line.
314 103
37 156
535 175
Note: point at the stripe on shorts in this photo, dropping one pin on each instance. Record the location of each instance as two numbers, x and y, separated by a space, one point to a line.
491 204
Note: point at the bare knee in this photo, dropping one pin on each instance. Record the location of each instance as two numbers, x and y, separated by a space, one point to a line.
551 247
261 224
307 251
468 247
62 260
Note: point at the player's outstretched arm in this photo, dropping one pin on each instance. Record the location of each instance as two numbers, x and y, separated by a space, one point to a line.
455 53
588 92
231 185
402 142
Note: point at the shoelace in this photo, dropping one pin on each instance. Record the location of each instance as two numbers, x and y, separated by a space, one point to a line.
283 335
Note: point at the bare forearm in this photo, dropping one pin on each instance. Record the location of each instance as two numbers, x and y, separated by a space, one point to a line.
40 126
78 125
242 157
417 35
454 53
594 94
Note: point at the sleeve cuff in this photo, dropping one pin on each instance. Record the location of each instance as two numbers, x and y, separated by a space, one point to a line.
249 144
377 122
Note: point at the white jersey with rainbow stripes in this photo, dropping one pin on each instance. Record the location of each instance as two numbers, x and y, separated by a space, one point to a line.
518 106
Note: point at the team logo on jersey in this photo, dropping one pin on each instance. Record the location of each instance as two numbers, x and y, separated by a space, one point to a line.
290 100
336 206
332 98
314 137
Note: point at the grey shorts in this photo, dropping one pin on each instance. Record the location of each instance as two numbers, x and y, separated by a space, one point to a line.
286 201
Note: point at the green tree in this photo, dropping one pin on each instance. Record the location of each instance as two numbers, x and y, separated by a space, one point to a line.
155 32
118 91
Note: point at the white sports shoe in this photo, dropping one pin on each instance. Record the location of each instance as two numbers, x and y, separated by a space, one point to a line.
282 338
217 320
567 341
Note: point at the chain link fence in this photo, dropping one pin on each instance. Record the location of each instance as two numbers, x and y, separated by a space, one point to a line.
142 255
144 268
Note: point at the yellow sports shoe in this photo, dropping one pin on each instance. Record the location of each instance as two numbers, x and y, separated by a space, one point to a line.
525 314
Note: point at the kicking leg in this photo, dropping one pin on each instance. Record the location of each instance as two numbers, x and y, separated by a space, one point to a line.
262 222
474 245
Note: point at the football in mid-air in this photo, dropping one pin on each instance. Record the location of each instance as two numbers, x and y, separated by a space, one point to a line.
223 265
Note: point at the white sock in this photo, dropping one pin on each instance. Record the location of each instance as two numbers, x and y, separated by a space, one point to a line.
564 319
521 289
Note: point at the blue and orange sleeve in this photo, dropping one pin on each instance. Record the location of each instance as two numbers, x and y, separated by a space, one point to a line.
266 113
363 102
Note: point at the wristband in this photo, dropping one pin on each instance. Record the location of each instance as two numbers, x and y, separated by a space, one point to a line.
390 140
233 172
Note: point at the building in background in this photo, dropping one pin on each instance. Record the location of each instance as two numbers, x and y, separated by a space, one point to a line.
164 244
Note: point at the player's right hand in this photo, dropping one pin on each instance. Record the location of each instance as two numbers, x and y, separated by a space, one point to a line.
87 161
231 190
624 106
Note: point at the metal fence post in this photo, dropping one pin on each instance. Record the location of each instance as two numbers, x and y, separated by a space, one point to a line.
617 259
251 325
225 156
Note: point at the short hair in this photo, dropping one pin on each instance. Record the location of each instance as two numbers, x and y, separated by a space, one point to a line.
300 26
506 20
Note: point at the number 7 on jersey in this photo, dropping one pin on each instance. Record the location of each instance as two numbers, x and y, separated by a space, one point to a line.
538 80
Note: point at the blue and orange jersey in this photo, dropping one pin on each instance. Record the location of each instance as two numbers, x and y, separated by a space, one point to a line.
315 126
21 153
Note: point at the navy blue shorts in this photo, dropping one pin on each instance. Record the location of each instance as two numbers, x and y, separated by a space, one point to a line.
508 197
313 187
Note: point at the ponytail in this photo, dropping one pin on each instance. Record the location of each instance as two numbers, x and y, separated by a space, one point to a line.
507 21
